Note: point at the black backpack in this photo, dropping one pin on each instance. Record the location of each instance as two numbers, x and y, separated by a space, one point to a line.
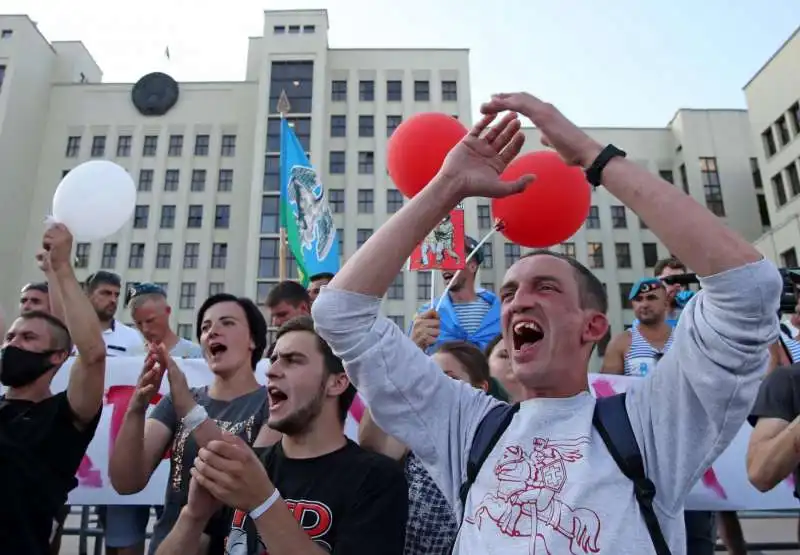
612 423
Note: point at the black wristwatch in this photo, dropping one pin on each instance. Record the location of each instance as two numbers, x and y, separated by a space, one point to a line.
594 173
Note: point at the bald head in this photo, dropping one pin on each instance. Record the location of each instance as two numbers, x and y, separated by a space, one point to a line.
150 313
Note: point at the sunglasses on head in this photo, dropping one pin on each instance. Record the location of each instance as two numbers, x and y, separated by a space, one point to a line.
136 289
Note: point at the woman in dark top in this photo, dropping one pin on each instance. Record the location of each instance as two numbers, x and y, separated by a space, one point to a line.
232 332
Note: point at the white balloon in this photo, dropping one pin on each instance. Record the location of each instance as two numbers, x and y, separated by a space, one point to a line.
95 200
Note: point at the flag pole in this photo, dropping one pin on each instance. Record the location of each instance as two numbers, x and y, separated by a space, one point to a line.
283 108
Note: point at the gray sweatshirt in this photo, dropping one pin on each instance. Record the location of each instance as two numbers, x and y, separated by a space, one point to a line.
550 485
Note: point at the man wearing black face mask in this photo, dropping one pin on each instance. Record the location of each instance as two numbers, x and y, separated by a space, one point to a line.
43 437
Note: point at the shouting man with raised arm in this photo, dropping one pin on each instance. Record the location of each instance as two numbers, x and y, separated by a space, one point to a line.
43 437
550 485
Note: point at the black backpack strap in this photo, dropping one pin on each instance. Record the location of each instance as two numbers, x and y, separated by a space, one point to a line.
614 426
487 435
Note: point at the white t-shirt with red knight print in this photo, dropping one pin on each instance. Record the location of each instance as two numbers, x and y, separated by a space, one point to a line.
550 487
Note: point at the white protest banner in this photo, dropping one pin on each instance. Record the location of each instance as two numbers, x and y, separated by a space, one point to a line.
122 373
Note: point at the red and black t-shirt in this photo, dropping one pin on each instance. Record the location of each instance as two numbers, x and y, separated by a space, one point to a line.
349 502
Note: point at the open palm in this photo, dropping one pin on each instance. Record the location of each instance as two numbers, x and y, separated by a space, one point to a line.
477 161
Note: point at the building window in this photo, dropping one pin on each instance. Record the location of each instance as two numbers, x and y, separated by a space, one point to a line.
511 253
185 331
362 236
219 255
300 126
296 79
667 176
82 251
789 258
568 249
794 179
109 258
488 285
755 171
215 288
294 29
171 180
763 211
262 292
366 163
338 126
339 91
163 255
225 181
366 91
272 173
366 201
188 291
195 216
422 91
619 219
783 130
394 201
488 256
145 180
124 146
624 292
709 175
424 280
340 241
141 216
595 255
228 147
397 288
308 29
201 143
593 220
270 213
623 253
394 91
7 33
392 123
336 200
279 29
337 162
398 320
484 217
642 225
136 255
198 181
650 251
222 216
684 178
73 147
175 147
268 260
98 146
794 117
768 140
163 285
366 126
167 216
150 145
449 91
191 255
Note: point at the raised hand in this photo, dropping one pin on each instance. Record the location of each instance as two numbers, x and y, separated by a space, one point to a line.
182 398
201 505
149 383
425 329
475 163
571 142
57 241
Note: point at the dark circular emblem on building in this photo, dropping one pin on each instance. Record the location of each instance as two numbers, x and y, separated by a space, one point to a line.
155 94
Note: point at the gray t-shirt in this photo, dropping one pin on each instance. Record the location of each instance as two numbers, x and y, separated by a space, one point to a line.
242 416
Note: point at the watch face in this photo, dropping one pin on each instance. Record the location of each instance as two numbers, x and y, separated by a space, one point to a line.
155 94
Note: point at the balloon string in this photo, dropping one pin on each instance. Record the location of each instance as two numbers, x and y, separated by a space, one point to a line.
497 227
433 288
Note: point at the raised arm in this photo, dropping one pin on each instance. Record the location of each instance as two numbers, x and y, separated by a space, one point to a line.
371 437
87 376
614 359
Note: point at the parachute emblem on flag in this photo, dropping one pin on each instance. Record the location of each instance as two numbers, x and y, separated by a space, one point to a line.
311 211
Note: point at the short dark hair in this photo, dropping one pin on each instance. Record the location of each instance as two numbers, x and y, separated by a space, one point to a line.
592 293
102 277
60 339
290 292
332 363
470 357
671 262
323 275
40 286
255 321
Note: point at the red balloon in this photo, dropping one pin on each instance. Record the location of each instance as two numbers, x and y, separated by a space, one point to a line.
551 209
417 149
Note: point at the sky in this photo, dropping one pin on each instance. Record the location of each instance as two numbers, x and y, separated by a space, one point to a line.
623 63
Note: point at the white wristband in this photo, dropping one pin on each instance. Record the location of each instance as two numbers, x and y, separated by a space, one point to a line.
194 418
264 507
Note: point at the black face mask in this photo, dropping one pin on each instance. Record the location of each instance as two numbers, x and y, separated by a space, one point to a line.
19 367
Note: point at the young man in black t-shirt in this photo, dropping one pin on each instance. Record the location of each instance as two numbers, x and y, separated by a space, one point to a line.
314 491
43 437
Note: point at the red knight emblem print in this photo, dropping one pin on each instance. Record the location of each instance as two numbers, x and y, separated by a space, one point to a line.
527 501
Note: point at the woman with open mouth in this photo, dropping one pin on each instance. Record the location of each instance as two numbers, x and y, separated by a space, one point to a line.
232 333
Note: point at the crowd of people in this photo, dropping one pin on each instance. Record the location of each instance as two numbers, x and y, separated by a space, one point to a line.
479 436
